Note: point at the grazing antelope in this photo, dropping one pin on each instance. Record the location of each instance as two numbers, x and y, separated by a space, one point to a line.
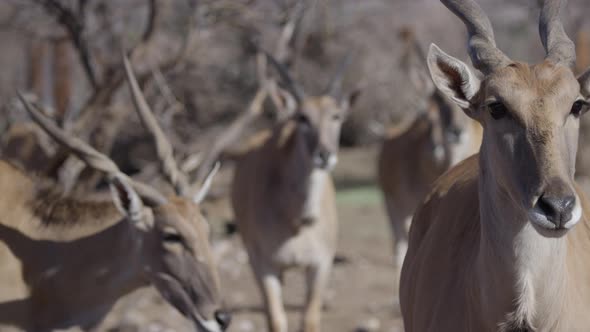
495 245
423 146
64 261
284 202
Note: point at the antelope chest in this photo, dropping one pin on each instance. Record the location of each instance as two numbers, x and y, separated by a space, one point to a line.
315 240
307 248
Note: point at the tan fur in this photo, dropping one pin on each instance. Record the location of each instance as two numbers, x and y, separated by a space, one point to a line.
65 261
433 262
479 256
284 203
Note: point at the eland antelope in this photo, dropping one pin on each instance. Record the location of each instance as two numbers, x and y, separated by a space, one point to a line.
414 153
284 201
64 261
503 241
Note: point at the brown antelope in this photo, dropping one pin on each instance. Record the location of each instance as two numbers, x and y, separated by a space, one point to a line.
284 202
494 246
423 146
64 261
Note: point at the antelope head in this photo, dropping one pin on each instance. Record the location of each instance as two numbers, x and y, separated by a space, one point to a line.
175 253
318 119
530 115
448 124
170 233
184 271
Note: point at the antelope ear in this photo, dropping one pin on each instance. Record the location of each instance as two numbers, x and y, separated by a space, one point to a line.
127 200
350 99
584 80
453 78
283 100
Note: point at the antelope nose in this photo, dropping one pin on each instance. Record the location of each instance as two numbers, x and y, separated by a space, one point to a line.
322 158
223 318
557 209
324 155
454 134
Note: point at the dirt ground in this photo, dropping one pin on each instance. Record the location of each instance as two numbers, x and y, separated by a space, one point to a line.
362 294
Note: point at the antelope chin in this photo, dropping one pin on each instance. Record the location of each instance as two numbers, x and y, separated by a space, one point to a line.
327 164
203 325
190 312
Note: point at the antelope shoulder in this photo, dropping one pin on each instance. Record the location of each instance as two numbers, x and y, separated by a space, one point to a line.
448 237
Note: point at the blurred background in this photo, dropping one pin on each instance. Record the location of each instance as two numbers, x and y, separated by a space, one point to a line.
196 62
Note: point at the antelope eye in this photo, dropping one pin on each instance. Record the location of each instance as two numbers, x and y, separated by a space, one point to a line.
302 118
579 107
172 237
498 110
337 117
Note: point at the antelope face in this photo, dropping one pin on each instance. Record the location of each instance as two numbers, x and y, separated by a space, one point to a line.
530 116
320 120
182 267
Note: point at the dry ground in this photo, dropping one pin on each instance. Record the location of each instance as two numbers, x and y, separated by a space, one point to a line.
361 295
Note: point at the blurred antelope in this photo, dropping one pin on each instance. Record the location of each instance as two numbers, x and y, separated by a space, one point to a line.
64 261
284 202
417 151
494 245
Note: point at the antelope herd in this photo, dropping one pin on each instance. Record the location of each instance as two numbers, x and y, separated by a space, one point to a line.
488 225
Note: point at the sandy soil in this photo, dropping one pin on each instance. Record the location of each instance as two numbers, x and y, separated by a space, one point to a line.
362 294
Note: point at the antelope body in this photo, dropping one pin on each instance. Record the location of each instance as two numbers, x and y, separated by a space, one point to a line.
412 157
433 136
65 260
501 243
284 202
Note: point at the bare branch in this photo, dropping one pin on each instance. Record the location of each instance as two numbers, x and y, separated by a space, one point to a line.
233 132
75 28
282 49
150 26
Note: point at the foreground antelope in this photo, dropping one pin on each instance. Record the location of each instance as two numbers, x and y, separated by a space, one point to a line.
64 261
494 245
417 151
284 202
